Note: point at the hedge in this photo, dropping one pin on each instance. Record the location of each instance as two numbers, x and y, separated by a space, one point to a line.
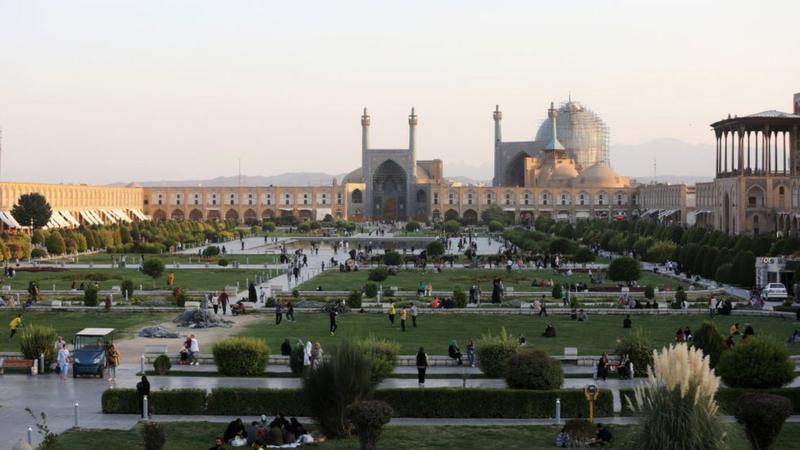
175 401
728 398
428 403
255 401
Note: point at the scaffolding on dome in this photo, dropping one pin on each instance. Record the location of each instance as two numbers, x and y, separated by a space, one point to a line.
581 131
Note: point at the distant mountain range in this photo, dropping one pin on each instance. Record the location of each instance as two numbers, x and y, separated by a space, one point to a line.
686 163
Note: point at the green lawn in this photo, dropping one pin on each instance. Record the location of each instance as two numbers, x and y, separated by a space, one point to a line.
448 279
435 331
200 435
134 258
68 323
190 279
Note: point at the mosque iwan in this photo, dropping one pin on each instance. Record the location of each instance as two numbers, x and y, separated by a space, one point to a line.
564 173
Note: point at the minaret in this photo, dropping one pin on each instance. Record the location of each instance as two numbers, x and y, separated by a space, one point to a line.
412 140
498 139
365 131
554 145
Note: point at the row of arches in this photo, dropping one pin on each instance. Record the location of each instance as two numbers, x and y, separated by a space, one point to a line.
544 198
249 216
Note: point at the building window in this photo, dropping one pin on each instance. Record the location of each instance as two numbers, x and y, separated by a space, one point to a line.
582 199
601 199
526 200
469 199
508 199
435 198
338 198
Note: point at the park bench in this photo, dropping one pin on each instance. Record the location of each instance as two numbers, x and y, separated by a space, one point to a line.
15 363
155 349
570 354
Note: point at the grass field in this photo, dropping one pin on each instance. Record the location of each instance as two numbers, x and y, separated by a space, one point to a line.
134 258
190 279
68 323
200 435
435 331
448 279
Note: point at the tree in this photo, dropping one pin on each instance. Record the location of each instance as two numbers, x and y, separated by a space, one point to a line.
451 226
709 339
434 249
584 255
494 213
624 269
55 243
560 245
153 268
412 226
32 207
744 269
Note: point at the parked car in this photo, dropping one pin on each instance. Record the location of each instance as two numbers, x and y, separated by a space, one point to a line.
774 292
89 351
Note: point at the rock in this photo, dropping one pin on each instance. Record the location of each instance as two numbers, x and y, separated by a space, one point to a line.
157 332
197 318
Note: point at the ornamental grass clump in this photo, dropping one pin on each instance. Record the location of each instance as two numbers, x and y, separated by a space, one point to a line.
494 351
676 404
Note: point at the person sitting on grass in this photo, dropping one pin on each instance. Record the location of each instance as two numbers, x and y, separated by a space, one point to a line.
582 316
235 432
627 323
454 352
729 342
748 330
680 336
687 333
795 337
734 330
562 438
549 331
286 348
573 315
217 444
603 436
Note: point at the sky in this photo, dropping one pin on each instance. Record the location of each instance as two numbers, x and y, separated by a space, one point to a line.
111 90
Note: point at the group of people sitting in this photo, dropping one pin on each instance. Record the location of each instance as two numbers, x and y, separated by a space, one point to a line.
579 315
624 367
279 432
735 330
683 335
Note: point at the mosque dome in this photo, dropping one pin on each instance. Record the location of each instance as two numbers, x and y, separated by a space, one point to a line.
581 131
355 176
558 175
600 175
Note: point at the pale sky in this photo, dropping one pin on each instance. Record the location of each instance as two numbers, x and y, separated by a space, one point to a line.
110 90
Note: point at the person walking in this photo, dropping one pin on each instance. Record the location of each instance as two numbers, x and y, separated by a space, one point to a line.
332 316
63 362
290 311
403 318
471 353
422 366
712 306
278 313
15 324
113 359
194 350
414 315
223 300
142 390
392 312
215 304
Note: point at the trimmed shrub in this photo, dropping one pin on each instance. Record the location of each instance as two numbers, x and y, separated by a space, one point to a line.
459 298
39 253
680 295
90 295
339 382
378 274
451 226
557 293
371 290
369 417
127 287
392 258
560 245
222 262
153 435
412 226
584 255
211 250
37 339
637 346
649 292
494 351
709 339
382 355
268 226
434 249
624 269
354 300
241 356
55 243
153 268
762 416
162 365
533 370
761 363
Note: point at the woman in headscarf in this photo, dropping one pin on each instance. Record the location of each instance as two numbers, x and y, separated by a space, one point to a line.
143 388
454 352
307 354
422 366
